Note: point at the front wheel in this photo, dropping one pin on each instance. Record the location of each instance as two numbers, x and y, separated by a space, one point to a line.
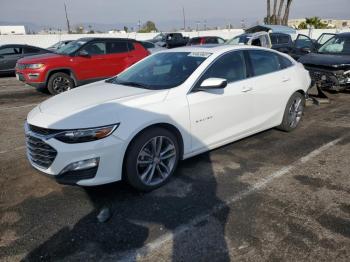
293 112
151 159
59 82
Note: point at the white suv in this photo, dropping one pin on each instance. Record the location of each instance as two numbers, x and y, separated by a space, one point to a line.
170 106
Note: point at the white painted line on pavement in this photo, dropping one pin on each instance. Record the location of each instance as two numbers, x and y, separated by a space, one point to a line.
15 107
163 239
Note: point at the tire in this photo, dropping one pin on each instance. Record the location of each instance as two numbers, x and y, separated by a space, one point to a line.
59 82
144 169
292 114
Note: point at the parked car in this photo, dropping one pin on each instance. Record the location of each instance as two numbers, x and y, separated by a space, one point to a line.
170 40
151 47
80 62
329 66
255 39
10 54
203 40
90 136
58 45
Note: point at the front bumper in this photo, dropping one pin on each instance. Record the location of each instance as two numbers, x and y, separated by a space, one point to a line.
35 78
329 80
109 150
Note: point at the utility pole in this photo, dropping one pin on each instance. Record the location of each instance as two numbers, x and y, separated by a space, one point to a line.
139 24
183 14
68 26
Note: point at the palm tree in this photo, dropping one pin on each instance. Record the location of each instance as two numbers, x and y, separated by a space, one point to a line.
274 15
268 17
315 22
286 12
279 20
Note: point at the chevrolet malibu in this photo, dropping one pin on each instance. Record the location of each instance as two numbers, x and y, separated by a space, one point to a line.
170 106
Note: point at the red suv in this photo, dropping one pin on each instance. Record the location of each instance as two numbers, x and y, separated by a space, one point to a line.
79 62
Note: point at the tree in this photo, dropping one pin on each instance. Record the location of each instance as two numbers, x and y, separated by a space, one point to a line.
278 19
126 29
286 12
268 16
148 27
302 25
276 16
315 22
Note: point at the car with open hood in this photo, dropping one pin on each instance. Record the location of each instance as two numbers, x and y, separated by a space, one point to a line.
329 65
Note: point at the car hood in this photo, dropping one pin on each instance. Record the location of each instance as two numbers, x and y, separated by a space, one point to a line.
96 104
40 58
326 60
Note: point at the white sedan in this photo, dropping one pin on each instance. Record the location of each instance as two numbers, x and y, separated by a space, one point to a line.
169 106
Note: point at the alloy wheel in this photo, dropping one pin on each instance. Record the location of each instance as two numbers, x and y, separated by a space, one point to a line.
61 84
156 160
295 112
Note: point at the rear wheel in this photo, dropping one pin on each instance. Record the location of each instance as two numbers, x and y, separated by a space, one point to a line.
59 82
293 112
151 159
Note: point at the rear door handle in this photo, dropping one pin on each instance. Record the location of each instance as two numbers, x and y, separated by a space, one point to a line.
247 89
285 79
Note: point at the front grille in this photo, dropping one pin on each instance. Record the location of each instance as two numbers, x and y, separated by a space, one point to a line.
40 153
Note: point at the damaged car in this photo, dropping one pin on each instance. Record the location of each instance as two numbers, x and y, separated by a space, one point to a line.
329 66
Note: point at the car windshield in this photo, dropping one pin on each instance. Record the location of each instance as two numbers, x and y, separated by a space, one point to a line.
70 48
241 39
56 45
337 45
162 70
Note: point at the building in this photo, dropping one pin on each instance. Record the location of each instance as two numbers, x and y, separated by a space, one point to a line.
12 30
332 23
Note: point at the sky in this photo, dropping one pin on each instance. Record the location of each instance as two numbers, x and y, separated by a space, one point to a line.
167 14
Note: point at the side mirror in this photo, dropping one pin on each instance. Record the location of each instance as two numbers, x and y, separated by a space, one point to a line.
306 50
83 53
213 83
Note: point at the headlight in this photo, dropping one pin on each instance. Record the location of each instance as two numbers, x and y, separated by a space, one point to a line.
85 135
34 66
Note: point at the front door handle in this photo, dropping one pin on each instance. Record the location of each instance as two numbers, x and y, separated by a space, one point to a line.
247 89
285 79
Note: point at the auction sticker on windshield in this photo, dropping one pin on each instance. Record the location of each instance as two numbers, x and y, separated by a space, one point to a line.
200 54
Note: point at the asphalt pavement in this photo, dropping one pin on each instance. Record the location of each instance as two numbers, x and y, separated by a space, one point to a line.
274 196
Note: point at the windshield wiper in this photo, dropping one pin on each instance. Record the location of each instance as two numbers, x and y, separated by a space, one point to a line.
115 80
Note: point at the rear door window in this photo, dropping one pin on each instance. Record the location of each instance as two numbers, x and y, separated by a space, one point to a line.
195 41
31 50
148 45
117 47
283 39
211 40
11 51
264 62
95 48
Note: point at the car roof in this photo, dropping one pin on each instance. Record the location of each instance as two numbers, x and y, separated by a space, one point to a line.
88 39
20 45
344 34
273 28
214 48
